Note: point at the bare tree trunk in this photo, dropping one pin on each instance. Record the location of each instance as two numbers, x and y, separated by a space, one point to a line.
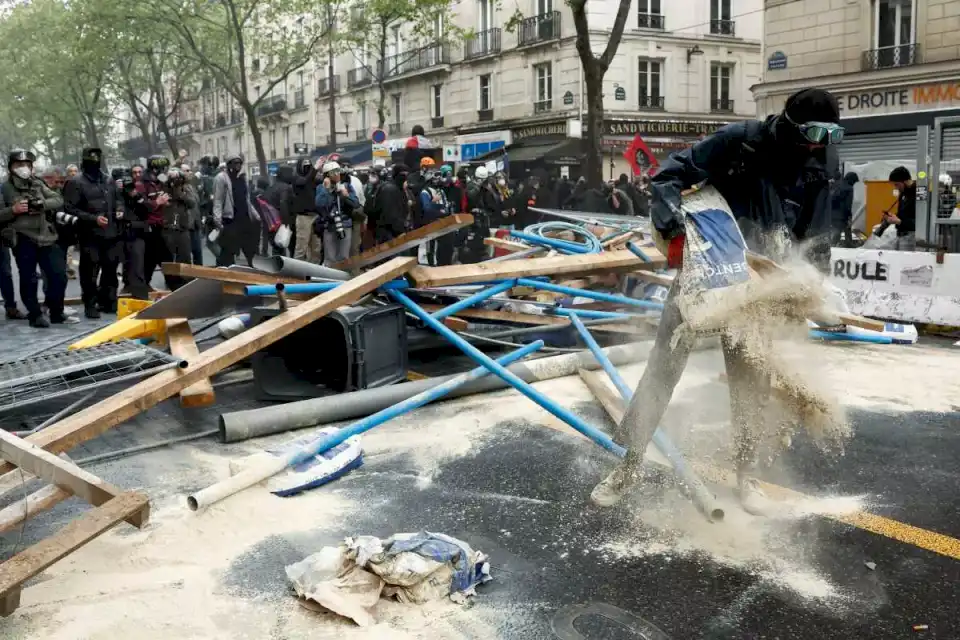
593 141
257 136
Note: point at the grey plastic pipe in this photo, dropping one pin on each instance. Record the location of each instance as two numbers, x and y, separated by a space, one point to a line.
243 425
291 268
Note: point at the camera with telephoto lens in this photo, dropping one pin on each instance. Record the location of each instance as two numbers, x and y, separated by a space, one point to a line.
175 178
65 219
35 204
338 225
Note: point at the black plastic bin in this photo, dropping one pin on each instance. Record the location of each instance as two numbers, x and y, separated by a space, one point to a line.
348 349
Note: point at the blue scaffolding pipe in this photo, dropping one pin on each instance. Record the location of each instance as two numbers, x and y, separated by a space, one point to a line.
308 287
588 313
498 370
637 251
553 243
586 293
479 296
415 402
702 497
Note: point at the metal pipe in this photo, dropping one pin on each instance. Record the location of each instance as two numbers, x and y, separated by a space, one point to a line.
281 265
306 287
588 313
850 337
237 426
469 301
70 408
702 497
637 251
244 479
587 293
476 355
553 243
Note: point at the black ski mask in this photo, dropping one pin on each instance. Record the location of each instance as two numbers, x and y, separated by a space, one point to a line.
90 161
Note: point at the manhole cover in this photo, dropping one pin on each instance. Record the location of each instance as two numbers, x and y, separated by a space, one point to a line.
600 621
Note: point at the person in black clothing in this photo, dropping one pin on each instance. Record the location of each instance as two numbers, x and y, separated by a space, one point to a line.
906 216
280 196
774 175
308 246
94 200
841 203
389 208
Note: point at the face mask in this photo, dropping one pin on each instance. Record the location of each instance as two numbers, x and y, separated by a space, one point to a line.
23 172
372 180
896 193
502 183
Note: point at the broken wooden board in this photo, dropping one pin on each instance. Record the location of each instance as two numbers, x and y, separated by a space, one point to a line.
182 345
33 560
14 514
655 278
617 240
573 265
111 411
507 245
455 323
409 240
238 276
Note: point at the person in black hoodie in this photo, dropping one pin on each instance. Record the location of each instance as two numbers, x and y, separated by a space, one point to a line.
841 203
308 246
93 198
280 196
387 207
906 217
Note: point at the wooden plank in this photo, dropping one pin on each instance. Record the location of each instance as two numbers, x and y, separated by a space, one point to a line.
15 514
409 240
502 316
655 278
575 265
32 560
455 323
507 245
617 240
55 470
111 411
183 346
413 375
223 275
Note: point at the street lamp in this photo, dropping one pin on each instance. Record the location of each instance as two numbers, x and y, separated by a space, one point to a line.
694 51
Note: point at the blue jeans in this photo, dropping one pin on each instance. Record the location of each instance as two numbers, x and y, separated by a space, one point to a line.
196 246
7 292
53 264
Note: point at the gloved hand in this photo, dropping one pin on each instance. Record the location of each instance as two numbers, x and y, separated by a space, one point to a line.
667 217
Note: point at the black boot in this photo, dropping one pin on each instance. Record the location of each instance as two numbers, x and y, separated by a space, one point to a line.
14 313
40 322
91 312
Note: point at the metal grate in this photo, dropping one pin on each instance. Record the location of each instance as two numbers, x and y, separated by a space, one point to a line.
46 377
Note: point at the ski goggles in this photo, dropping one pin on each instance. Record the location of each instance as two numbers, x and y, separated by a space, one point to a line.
819 132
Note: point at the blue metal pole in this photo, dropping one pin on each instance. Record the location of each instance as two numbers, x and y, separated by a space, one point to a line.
479 296
637 251
308 287
407 405
586 293
498 370
587 313
849 337
553 243
702 497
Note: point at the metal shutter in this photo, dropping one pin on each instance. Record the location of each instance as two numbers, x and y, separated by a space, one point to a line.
870 147
951 145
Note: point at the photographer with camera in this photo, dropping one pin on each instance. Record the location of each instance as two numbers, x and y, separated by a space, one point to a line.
27 226
336 203
94 200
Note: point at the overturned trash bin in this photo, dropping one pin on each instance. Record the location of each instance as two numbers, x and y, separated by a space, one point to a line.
349 349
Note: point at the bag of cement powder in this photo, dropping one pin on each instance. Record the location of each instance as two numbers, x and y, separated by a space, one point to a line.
334 581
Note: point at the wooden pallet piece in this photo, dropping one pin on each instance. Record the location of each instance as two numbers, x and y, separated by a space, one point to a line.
111 411
33 560
223 275
14 514
507 245
409 240
183 346
574 265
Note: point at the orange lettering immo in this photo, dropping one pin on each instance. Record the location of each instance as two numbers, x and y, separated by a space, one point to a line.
936 93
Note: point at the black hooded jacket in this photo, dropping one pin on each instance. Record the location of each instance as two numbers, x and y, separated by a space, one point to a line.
388 209
769 180
280 194
88 198
304 194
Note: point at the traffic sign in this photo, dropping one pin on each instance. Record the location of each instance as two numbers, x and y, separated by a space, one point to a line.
451 153
379 136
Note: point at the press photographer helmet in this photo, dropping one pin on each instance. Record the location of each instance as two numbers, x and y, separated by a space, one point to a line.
158 165
20 155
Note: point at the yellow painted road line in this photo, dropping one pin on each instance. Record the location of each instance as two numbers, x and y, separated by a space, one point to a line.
929 540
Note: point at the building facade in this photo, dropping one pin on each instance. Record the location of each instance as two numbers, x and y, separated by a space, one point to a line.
683 68
893 64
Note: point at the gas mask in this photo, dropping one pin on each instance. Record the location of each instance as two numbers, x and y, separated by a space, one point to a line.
23 173
502 182
896 193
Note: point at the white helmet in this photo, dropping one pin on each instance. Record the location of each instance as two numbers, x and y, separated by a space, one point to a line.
946 180
481 173
330 166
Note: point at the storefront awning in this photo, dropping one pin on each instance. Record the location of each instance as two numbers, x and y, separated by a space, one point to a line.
554 152
354 152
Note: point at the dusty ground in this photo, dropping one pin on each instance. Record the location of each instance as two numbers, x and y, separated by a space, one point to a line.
502 474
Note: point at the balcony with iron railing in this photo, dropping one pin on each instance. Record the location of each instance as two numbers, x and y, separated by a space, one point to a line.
418 60
395 128
543 106
721 105
538 29
436 122
902 55
221 120
360 134
272 105
324 85
298 99
485 115
359 78
650 21
236 116
650 103
723 27
485 43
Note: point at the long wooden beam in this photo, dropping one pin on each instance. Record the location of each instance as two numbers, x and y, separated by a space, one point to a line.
223 275
409 240
110 412
182 345
32 560
574 265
